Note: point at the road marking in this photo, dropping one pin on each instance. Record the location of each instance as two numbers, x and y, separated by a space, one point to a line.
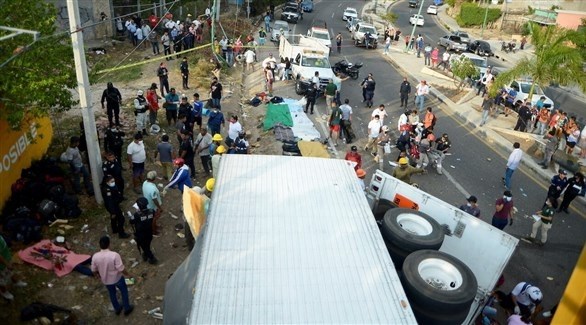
458 186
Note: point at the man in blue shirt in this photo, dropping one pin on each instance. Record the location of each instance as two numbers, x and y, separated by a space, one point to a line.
197 110
171 103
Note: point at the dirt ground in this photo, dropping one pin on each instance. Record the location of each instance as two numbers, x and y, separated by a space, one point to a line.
86 296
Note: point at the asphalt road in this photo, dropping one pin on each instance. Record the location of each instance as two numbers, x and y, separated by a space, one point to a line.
432 30
475 166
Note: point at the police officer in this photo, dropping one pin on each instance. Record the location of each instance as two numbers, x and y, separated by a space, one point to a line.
112 199
112 166
557 185
310 96
112 97
114 140
142 220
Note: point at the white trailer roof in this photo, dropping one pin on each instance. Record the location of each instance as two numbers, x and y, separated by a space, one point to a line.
292 240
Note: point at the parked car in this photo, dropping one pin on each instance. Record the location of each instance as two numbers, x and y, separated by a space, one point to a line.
481 48
290 14
413 3
349 13
360 30
307 5
351 23
463 36
523 87
452 43
432 10
416 20
480 62
279 26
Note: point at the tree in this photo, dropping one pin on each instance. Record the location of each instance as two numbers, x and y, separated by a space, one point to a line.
556 60
390 18
35 77
463 69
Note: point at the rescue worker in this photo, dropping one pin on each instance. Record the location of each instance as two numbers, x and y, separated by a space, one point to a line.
142 221
180 177
360 173
404 171
526 298
443 144
112 199
354 156
141 106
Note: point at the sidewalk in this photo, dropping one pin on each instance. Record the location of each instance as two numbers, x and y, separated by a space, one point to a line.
497 131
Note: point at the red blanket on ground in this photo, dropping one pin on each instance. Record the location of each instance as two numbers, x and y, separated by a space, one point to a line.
52 257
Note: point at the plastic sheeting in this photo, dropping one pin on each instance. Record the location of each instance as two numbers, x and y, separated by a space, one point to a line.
303 128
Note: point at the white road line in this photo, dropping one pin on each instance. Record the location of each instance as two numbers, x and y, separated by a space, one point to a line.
458 186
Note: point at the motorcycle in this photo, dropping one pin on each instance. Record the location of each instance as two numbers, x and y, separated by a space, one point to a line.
347 68
508 47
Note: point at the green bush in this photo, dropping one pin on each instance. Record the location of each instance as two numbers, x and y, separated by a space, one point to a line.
473 15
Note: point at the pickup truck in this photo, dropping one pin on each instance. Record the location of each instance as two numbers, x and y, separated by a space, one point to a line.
408 218
360 30
452 43
321 35
307 57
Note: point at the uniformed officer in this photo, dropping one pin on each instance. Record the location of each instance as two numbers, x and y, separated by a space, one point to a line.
142 221
114 140
112 199
112 166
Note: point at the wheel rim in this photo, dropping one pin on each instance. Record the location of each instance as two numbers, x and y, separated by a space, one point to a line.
414 224
440 274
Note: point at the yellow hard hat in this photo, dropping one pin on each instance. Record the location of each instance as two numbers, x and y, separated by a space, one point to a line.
220 150
210 184
217 137
403 161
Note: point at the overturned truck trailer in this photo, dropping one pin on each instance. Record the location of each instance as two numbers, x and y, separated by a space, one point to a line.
287 240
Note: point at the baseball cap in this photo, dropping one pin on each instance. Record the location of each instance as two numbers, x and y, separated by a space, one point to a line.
562 171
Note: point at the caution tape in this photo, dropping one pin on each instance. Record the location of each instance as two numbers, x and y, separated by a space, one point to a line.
152 60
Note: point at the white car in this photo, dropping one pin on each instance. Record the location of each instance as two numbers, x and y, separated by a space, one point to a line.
416 20
349 13
432 10
279 27
479 61
522 88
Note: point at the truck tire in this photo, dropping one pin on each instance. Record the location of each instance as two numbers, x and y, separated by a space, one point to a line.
425 317
381 208
412 230
298 89
439 282
397 254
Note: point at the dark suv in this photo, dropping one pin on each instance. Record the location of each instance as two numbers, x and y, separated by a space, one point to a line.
413 3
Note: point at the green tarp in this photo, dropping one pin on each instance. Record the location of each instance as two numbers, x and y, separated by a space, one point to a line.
277 113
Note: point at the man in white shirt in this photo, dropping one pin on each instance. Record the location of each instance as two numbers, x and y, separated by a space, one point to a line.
374 127
270 60
346 123
136 157
380 111
249 58
403 121
234 128
512 164
422 90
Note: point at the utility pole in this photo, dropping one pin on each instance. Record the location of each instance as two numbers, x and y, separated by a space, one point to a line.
484 23
85 99
414 27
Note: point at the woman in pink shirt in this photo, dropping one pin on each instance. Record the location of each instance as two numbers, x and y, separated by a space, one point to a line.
434 57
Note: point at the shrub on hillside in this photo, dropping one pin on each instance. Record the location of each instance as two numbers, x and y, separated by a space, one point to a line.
473 15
